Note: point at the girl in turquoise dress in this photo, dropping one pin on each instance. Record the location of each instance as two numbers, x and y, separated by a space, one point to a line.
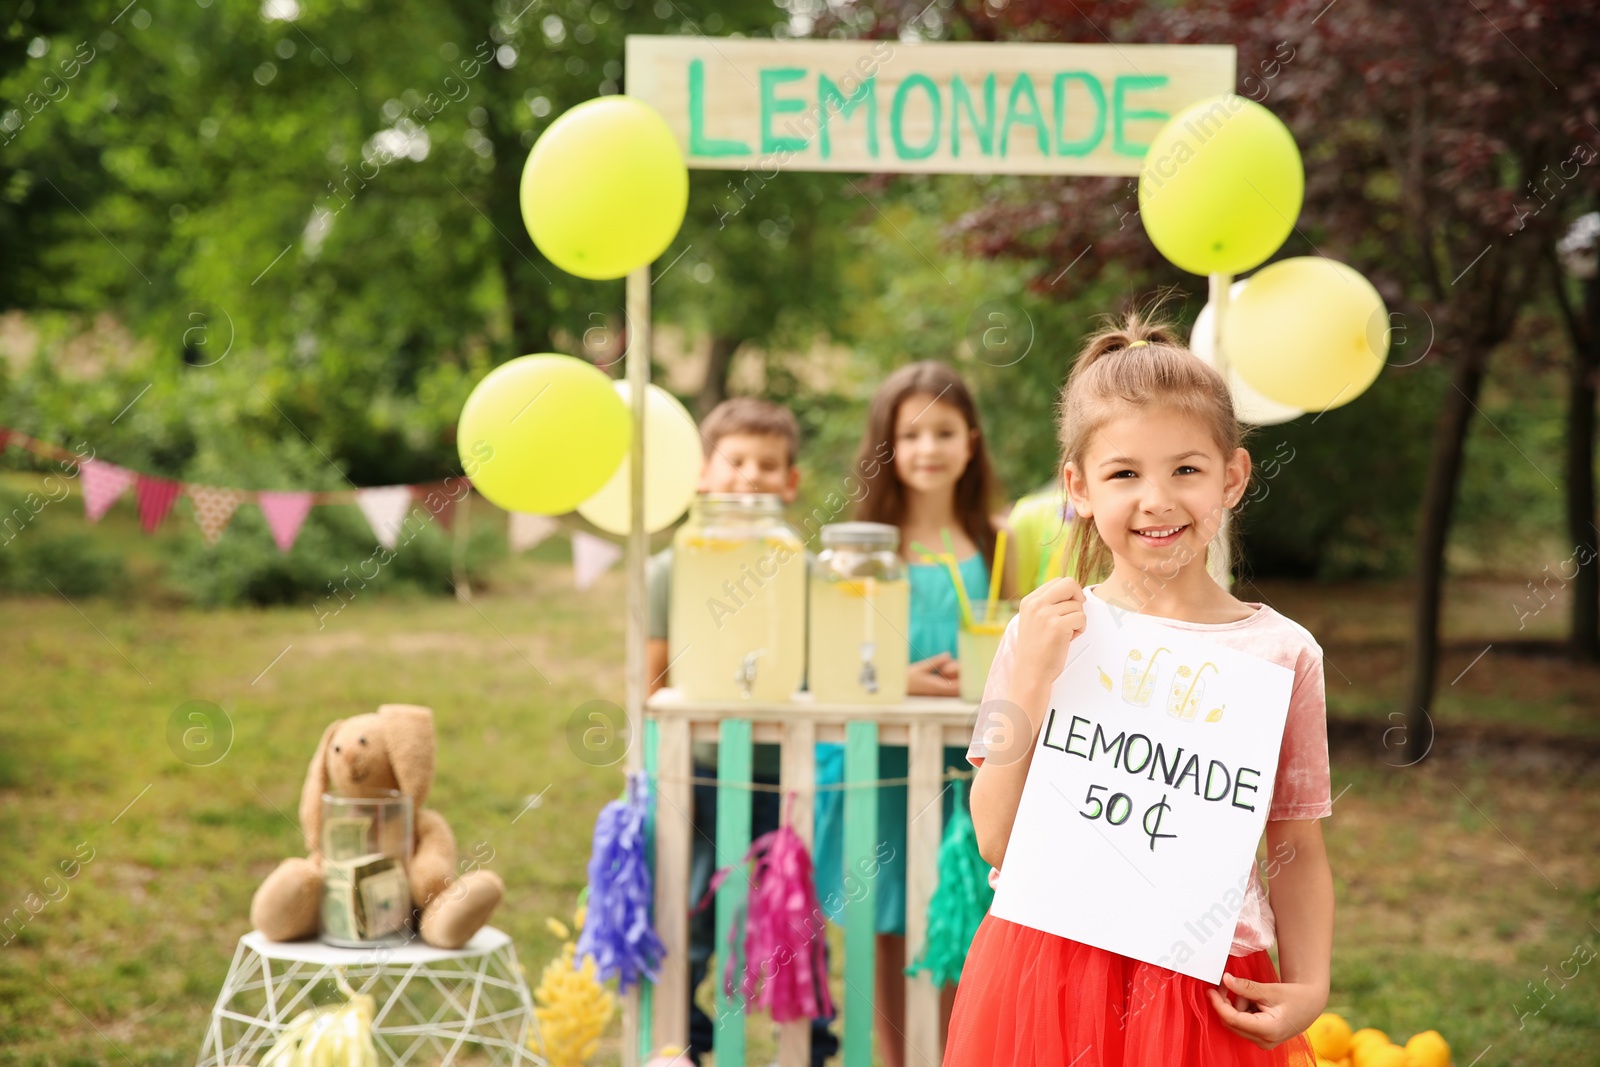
939 482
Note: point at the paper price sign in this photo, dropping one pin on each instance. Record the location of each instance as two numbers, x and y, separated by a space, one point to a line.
1147 794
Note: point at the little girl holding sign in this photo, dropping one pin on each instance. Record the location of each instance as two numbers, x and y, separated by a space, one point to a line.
1152 459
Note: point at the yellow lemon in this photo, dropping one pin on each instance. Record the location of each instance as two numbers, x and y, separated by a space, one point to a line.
1373 1054
1364 1045
1427 1049
1330 1036
1326 1063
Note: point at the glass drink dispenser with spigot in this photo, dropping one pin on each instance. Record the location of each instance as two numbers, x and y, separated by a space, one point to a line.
738 605
860 616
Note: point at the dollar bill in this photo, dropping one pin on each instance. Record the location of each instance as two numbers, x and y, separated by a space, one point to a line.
338 913
345 838
363 898
383 903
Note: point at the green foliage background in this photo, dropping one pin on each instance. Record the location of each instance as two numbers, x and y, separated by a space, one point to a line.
204 285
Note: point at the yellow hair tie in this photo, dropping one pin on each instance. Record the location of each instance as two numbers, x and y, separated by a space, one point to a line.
1136 344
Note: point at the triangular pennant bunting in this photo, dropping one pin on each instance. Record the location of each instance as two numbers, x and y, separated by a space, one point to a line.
386 509
155 497
528 530
103 483
591 557
5 439
437 501
285 514
213 509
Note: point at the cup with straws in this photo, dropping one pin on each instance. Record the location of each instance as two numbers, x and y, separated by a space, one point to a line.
978 638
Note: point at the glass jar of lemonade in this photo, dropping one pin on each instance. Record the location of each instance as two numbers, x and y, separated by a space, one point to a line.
737 616
860 615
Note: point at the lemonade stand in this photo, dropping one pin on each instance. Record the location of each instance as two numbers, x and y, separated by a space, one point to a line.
760 107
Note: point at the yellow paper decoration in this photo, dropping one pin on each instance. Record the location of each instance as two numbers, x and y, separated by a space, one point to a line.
570 1003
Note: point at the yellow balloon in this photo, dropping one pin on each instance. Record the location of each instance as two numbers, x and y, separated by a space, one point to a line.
541 433
1249 406
1221 186
605 188
1308 332
672 461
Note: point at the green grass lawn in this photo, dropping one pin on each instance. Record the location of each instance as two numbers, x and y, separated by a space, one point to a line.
1460 881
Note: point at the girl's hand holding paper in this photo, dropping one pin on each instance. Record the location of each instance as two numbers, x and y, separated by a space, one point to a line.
1047 621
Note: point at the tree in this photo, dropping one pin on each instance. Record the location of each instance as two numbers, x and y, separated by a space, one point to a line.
1578 249
341 190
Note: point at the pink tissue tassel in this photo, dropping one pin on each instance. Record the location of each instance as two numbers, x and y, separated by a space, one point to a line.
785 968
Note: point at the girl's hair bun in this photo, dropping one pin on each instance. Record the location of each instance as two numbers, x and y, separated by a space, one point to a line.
1137 329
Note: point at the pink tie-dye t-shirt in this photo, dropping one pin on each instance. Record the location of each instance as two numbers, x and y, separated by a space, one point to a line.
1301 787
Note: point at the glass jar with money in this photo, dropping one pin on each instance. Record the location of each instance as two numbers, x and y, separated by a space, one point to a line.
366 853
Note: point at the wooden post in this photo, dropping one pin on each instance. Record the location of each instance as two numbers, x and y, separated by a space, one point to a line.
798 774
636 1035
924 1036
674 838
458 549
1219 559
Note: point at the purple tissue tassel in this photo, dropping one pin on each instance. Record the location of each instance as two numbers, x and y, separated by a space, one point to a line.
785 966
617 931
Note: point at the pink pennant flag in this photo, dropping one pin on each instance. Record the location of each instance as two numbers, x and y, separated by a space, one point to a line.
591 557
285 514
528 530
5 439
155 497
386 508
103 483
214 508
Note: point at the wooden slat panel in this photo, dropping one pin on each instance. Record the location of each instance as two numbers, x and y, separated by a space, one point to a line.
924 821
798 774
666 702
638 1011
771 733
674 839
734 753
636 1026
860 884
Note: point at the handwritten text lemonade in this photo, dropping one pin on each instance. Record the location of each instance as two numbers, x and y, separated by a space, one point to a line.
1180 769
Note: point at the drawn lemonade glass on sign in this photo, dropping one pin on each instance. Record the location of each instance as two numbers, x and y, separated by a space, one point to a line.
1188 686
1139 677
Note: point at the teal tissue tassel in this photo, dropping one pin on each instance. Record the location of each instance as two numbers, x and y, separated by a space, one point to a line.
960 901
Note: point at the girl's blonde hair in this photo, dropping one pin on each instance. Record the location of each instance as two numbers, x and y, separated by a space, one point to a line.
1139 363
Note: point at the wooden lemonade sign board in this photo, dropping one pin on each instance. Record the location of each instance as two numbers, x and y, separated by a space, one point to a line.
1147 794
876 106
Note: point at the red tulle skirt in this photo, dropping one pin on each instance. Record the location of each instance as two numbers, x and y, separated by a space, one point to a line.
1032 999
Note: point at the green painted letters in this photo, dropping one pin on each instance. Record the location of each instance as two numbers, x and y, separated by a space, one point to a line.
922 151
984 131
1124 84
699 143
830 98
772 106
1086 144
1023 86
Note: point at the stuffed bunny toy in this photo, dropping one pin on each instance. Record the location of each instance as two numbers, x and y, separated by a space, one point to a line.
367 756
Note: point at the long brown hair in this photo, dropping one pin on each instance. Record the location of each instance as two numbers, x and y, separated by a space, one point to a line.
885 500
1141 363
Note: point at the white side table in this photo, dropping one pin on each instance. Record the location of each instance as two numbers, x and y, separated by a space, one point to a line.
432 1004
